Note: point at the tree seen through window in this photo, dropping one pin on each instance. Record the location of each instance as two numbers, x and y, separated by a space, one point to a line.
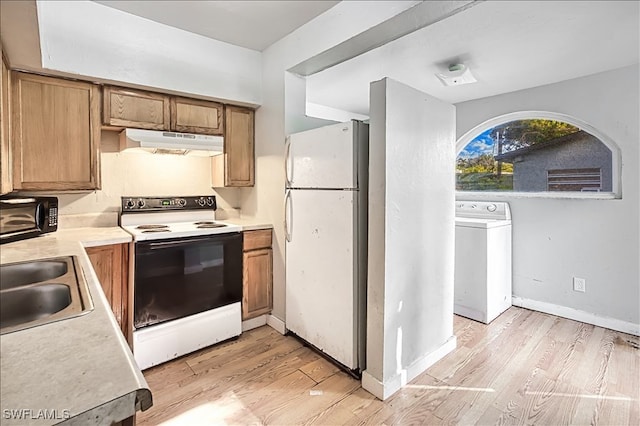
519 155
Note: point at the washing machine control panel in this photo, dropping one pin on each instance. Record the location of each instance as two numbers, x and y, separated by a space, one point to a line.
483 209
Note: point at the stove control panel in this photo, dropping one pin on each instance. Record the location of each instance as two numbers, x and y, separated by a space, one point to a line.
147 204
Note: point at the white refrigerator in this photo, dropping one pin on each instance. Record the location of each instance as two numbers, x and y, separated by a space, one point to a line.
326 239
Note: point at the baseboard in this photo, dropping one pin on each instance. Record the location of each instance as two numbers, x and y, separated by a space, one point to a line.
373 385
277 324
384 390
577 315
252 323
420 366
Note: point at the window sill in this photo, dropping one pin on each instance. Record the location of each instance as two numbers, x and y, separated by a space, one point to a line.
497 195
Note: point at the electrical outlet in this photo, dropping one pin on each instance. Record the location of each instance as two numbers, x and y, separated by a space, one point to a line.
579 284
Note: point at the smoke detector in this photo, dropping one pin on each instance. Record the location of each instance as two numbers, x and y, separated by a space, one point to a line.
456 75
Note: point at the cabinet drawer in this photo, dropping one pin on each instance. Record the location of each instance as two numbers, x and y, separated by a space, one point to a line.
135 108
257 239
193 116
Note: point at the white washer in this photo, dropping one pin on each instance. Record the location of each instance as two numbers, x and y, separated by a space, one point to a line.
482 286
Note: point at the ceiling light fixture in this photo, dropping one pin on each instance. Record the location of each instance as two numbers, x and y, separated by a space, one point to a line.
456 75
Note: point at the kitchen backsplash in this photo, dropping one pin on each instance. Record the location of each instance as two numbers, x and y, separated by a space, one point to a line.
141 174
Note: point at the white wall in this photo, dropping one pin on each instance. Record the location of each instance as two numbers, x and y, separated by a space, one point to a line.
92 40
557 239
411 235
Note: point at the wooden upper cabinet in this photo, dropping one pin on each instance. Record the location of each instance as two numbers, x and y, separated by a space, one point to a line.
55 130
135 108
6 181
194 116
236 167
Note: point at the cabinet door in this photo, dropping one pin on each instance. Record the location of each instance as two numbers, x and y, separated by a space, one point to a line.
257 283
111 264
193 116
55 132
135 108
236 167
5 145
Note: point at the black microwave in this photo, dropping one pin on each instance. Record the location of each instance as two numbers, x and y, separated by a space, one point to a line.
27 217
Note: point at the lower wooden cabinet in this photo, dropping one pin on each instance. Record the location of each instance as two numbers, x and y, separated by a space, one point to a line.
257 279
111 264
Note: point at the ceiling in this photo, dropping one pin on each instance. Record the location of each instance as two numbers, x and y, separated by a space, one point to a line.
251 24
508 45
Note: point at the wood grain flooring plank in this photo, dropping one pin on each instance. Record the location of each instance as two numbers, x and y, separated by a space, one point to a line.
510 373
309 405
416 400
475 379
624 361
242 349
319 369
488 340
548 402
360 404
162 376
263 402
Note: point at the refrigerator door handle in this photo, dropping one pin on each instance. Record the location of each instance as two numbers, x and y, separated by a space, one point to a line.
287 156
287 216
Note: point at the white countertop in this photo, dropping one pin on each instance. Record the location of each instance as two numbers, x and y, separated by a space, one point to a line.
80 367
247 224
91 237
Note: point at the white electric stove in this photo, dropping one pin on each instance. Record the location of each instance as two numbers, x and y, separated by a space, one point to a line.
187 276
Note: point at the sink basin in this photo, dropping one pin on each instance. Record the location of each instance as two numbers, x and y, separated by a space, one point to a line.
19 274
25 304
40 292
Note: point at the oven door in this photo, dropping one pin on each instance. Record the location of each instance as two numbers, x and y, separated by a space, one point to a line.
175 278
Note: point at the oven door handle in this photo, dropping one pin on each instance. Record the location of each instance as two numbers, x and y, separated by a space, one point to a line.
156 245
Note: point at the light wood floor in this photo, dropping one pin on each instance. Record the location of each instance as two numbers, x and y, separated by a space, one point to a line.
524 368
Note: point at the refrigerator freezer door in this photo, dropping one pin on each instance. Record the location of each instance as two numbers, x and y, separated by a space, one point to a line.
322 158
321 274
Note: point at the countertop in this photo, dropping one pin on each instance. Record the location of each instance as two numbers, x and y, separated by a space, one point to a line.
78 371
247 224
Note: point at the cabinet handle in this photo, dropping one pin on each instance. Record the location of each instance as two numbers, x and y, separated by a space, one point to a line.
287 215
287 152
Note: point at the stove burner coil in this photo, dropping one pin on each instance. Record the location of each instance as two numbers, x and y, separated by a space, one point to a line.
211 225
152 227
147 231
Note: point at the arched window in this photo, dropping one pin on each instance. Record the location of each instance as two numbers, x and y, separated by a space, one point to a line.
538 153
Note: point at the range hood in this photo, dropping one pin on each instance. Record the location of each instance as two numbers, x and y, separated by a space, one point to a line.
161 142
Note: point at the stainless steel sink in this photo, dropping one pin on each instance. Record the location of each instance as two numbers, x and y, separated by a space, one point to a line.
40 292
19 274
